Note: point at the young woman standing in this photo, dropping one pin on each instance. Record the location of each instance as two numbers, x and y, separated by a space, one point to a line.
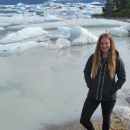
99 74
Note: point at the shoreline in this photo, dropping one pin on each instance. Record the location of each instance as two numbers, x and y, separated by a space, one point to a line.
116 124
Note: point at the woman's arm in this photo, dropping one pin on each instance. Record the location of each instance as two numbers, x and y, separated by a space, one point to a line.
121 75
87 71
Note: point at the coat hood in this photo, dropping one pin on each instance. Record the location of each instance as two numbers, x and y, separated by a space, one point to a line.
117 53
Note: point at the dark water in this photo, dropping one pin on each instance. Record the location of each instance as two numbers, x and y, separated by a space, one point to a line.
8 12
13 2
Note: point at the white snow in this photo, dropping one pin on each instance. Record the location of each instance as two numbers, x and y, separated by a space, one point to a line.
25 33
18 47
73 23
120 31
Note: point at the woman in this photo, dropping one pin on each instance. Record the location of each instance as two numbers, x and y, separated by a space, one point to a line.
99 74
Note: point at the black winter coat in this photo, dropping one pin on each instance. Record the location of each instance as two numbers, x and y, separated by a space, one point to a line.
102 87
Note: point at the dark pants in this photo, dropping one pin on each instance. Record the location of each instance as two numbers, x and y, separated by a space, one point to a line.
90 106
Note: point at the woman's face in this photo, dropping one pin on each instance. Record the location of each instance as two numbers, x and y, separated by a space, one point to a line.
105 45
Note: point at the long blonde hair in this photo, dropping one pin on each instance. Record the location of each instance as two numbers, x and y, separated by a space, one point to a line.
97 59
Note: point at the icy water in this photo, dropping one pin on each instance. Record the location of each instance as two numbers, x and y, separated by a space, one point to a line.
45 86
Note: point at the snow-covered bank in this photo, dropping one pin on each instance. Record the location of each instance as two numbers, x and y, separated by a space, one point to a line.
122 107
18 47
25 33
73 23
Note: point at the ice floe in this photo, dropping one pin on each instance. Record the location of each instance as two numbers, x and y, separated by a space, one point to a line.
1 28
63 30
120 31
81 36
21 5
36 7
48 4
63 43
26 17
73 23
18 47
78 36
25 33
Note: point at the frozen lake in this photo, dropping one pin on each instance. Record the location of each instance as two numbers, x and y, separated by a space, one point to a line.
44 86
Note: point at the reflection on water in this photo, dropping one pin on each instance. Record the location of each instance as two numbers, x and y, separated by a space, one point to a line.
128 44
62 52
44 86
76 51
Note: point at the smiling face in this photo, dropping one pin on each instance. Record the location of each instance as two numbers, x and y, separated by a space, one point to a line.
105 45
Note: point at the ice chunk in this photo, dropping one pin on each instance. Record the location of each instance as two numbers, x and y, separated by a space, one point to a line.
122 112
1 28
88 13
87 17
21 5
48 4
18 47
63 30
36 7
25 33
63 43
120 31
81 36
62 13
18 8
52 18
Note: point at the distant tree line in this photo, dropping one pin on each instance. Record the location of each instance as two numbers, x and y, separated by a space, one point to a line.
116 8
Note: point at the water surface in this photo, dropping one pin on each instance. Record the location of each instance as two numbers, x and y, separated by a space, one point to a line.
44 86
